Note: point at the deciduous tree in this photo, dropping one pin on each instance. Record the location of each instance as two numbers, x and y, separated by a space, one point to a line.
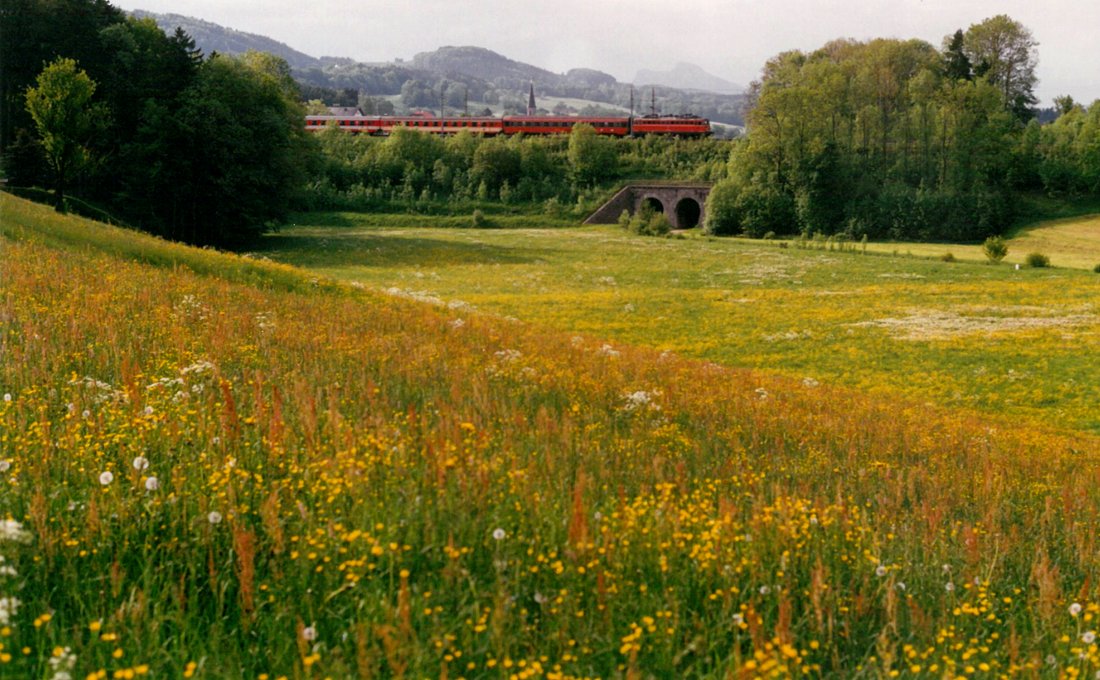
61 106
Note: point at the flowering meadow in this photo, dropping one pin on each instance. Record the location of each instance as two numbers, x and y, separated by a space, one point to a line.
217 467
1011 343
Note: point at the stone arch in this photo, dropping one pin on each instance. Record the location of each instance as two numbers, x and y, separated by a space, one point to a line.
654 203
688 213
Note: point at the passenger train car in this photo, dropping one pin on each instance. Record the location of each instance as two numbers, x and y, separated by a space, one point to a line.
683 125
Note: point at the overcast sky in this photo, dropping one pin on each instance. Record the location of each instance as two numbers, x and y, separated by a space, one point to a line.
729 38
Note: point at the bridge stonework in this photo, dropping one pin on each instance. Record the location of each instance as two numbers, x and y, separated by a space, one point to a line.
684 204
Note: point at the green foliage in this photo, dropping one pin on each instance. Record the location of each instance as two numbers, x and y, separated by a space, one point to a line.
1096 269
646 222
592 158
995 248
61 106
478 220
723 215
894 139
947 257
1037 260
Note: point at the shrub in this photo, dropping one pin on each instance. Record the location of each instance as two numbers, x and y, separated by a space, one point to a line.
624 219
768 236
723 212
1096 269
478 219
656 225
947 257
1037 260
995 248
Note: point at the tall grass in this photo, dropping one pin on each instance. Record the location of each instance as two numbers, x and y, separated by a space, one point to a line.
354 485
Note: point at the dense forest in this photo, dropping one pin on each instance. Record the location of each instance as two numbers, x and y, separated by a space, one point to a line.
894 138
209 150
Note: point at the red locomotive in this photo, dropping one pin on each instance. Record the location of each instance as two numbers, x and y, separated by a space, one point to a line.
684 125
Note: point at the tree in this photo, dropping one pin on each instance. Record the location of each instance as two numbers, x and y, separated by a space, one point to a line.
723 216
1063 104
591 157
956 65
61 106
1005 50
253 153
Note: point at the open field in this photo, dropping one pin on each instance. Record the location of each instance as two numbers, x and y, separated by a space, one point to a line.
1070 242
265 474
1005 342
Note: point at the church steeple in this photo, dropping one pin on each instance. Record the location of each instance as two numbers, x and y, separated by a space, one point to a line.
531 101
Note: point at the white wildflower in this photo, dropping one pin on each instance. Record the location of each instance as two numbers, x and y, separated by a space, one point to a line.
5 465
148 410
764 590
880 570
309 633
8 607
214 517
7 396
106 477
141 463
607 351
152 484
949 587
457 323
1074 609
1088 637
499 534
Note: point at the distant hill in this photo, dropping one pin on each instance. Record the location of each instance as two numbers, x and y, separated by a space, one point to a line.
479 62
473 76
210 37
688 77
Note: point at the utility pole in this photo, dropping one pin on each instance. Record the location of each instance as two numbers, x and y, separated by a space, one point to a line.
442 98
653 101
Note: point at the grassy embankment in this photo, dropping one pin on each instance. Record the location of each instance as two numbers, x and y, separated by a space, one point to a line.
259 476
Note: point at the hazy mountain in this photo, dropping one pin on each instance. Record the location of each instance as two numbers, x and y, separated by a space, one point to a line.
210 37
466 73
688 77
482 63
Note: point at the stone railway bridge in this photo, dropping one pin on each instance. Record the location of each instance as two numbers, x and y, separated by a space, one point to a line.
684 203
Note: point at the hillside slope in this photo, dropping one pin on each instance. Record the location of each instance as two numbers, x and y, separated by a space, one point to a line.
211 37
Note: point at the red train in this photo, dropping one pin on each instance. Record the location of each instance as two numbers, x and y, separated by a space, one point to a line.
683 125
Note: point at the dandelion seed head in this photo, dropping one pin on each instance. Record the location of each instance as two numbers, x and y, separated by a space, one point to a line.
141 463
499 534
106 477
152 484
309 633
1074 609
214 517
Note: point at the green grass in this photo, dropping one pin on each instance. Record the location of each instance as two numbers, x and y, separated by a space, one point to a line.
992 338
221 477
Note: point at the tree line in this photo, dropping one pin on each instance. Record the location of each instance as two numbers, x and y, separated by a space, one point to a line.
898 139
411 170
204 149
